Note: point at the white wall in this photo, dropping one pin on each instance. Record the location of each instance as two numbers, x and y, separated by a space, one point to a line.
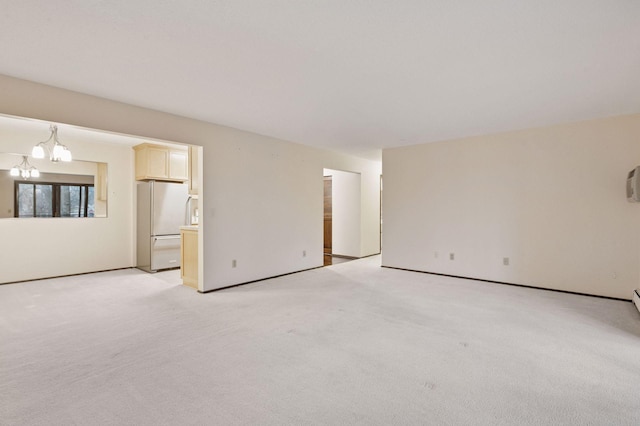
261 200
263 206
46 247
346 216
551 199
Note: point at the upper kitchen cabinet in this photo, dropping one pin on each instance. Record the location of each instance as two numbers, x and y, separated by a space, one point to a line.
162 162
194 170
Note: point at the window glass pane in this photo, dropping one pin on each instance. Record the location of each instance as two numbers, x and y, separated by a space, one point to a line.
44 201
83 198
91 208
54 200
25 200
69 201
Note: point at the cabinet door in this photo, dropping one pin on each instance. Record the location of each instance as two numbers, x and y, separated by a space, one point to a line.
178 165
193 170
152 163
189 258
157 163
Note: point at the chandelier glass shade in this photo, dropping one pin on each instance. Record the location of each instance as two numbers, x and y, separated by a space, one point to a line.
57 152
24 169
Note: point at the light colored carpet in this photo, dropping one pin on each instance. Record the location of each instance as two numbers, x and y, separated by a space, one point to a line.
348 344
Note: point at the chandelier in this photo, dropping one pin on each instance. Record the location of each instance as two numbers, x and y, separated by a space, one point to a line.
57 152
24 169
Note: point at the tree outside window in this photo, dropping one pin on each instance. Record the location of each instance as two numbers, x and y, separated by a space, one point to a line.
54 200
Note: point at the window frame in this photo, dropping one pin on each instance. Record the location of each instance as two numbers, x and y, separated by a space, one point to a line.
55 198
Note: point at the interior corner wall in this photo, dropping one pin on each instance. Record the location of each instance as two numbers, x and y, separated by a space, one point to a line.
552 200
49 247
370 210
261 198
346 215
263 205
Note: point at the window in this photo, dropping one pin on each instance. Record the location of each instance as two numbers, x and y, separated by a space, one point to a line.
53 199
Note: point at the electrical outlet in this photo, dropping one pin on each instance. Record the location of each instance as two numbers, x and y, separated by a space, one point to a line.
234 263
452 256
435 254
304 253
505 261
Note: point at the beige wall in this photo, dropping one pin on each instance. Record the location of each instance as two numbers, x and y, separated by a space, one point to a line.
261 201
552 200
6 195
46 247
263 204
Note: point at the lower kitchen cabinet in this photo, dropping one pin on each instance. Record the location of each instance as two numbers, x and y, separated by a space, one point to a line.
189 256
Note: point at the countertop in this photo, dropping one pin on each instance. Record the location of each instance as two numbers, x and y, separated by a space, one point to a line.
189 227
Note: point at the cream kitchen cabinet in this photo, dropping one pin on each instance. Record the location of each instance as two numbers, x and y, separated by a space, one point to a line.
194 170
189 256
161 162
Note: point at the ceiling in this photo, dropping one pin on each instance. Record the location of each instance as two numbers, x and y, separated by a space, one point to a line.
354 76
37 131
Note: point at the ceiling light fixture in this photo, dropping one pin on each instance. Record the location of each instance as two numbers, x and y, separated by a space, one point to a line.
24 169
57 153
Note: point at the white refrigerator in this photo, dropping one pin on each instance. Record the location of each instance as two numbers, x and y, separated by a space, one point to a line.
162 208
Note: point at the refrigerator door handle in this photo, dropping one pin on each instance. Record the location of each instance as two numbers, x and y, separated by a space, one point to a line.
187 211
165 237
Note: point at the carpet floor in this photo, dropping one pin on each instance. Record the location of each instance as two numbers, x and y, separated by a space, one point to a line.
347 344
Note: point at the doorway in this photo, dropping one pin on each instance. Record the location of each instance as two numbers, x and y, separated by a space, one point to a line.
342 218
328 225
381 223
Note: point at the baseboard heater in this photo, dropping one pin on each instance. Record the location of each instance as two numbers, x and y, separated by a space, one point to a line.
636 298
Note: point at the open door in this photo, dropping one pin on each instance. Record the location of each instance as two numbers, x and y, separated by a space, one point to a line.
328 226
